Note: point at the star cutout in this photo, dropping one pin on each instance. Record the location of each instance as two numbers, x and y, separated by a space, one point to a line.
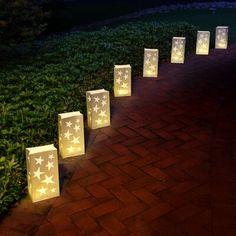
102 113
96 99
38 173
175 49
48 180
98 121
77 128
75 140
51 156
126 76
42 190
147 61
118 80
124 85
68 124
39 160
96 108
77 120
67 134
89 99
49 165
53 190
120 73
104 103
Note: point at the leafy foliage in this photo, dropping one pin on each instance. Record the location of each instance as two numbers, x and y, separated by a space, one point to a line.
21 19
55 80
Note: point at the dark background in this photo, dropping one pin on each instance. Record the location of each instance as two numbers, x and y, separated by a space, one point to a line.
67 14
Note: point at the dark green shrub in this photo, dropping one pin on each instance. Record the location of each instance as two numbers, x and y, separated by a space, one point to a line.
21 19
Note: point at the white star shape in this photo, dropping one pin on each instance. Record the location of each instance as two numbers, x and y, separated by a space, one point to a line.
147 61
124 85
67 134
77 120
175 49
96 99
98 121
39 160
37 173
104 103
118 80
120 73
126 76
89 99
48 180
75 140
102 113
53 190
42 190
68 124
96 108
77 128
49 165
51 156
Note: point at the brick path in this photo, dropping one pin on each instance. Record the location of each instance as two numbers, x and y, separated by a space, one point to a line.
166 166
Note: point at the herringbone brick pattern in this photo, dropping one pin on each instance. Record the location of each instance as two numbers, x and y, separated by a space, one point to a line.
166 166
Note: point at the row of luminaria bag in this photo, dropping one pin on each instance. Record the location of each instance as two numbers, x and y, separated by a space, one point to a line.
42 161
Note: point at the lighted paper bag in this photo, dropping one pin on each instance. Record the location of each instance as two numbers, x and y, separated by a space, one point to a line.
221 40
178 50
122 80
150 63
71 134
98 108
42 172
203 42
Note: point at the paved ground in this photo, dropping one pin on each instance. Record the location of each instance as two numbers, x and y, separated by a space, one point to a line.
166 166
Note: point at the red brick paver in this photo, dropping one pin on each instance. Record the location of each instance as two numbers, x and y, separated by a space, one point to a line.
166 166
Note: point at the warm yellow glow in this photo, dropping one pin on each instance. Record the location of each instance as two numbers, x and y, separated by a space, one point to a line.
150 62
42 172
122 80
178 50
203 41
98 108
71 134
221 40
